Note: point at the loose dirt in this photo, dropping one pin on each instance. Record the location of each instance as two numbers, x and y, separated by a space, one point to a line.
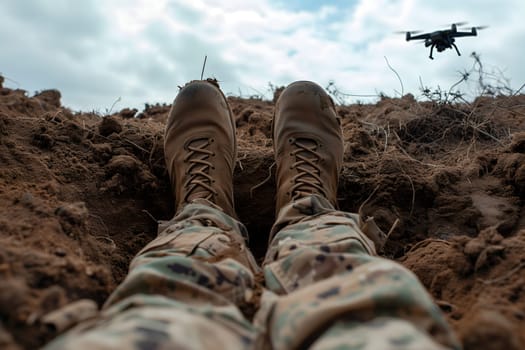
80 195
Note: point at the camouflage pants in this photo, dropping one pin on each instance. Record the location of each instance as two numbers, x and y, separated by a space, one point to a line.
325 288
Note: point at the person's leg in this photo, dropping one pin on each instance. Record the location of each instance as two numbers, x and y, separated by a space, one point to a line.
185 288
333 291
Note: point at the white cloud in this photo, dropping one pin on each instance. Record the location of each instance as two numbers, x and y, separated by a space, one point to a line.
96 51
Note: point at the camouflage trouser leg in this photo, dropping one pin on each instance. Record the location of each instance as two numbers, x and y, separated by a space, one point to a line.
183 291
328 290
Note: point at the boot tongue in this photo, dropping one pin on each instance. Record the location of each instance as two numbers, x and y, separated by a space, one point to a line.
306 169
311 155
198 179
198 194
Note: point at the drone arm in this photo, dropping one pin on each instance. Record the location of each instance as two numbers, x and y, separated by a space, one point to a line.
463 34
418 37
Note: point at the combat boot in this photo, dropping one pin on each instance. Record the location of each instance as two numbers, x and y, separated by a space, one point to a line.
308 144
200 146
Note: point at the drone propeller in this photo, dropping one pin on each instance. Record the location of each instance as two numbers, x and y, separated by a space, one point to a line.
477 28
408 31
458 24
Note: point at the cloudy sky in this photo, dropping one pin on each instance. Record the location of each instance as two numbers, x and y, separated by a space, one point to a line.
97 51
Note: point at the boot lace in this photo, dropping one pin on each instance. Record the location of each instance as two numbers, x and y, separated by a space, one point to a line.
199 182
308 177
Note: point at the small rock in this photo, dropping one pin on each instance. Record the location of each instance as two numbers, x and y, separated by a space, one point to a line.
490 330
52 298
27 200
74 131
123 164
51 97
43 141
108 126
73 213
51 187
4 121
60 252
128 113
89 271
63 138
101 151
486 256
14 295
474 247
518 143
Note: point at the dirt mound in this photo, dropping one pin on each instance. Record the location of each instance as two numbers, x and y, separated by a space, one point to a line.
80 195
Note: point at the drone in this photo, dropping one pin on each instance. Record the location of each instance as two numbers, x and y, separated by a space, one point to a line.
443 39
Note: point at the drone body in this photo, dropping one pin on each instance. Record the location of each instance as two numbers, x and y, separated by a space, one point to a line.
443 39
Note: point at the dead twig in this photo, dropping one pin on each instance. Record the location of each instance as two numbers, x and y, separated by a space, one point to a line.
426 242
371 218
411 184
134 144
153 149
17 117
263 181
122 139
204 66
398 77
360 210
108 239
54 115
101 221
518 91
387 134
150 216
485 133
11 80
113 105
505 276
239 160
413 193
410 157
392 228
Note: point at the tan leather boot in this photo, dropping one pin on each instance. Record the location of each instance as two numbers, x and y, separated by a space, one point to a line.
200 146
308 144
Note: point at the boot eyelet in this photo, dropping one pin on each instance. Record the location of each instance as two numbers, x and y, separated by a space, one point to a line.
290 140
212 140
